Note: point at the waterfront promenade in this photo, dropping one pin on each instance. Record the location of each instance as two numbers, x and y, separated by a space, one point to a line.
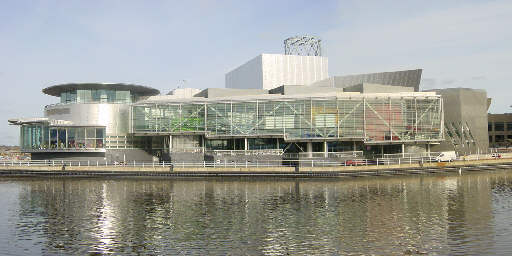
56 168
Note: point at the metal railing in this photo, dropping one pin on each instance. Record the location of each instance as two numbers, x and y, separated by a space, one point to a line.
345 154
188 150
235 164
63 150
500 150
277 152
407 155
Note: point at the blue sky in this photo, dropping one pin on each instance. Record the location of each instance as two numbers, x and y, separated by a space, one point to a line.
160 43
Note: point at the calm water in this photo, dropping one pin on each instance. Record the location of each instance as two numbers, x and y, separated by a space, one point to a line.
444 215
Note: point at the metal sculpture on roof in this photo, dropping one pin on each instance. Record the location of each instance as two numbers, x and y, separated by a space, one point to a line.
303 45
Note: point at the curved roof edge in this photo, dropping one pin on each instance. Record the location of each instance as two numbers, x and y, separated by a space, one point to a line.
56 90
20 121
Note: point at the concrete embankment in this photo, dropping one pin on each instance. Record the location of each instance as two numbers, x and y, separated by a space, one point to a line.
333 171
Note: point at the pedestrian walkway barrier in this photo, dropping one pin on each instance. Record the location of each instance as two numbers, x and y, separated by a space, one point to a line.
386 160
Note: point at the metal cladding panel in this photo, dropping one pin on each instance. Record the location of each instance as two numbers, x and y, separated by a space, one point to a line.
406 78
465 120
115 117
269 71
247 76
279 69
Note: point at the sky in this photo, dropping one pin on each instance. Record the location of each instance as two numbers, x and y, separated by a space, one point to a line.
162 43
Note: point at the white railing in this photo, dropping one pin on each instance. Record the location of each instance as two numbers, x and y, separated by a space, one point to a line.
407 155
188 150
258 163
500 150
63 150
346 154
277 152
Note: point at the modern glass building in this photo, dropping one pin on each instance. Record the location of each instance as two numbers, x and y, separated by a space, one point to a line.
273 107
121 122
89 120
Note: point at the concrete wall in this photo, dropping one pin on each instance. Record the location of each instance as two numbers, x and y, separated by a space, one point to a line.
407 78
186 157
415 148
92 156
469 108
269 71
119 155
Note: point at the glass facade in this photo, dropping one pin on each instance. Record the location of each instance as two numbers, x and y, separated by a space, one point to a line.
41 137
372 119
499 126
97 96
262 143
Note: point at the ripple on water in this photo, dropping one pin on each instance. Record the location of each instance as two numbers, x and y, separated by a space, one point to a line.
450 214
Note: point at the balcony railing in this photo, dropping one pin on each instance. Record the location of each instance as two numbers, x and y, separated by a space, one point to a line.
61 150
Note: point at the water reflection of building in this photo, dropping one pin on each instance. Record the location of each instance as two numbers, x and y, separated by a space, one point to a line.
474 214
383 215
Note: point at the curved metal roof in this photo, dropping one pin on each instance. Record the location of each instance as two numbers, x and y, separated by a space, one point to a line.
56 90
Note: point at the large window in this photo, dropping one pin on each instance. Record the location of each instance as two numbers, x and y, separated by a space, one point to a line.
339 146
262 143
34 137
219 144
96 96
499 126
84 96
40 137
68 97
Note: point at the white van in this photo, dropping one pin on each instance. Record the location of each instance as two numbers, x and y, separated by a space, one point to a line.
446 156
